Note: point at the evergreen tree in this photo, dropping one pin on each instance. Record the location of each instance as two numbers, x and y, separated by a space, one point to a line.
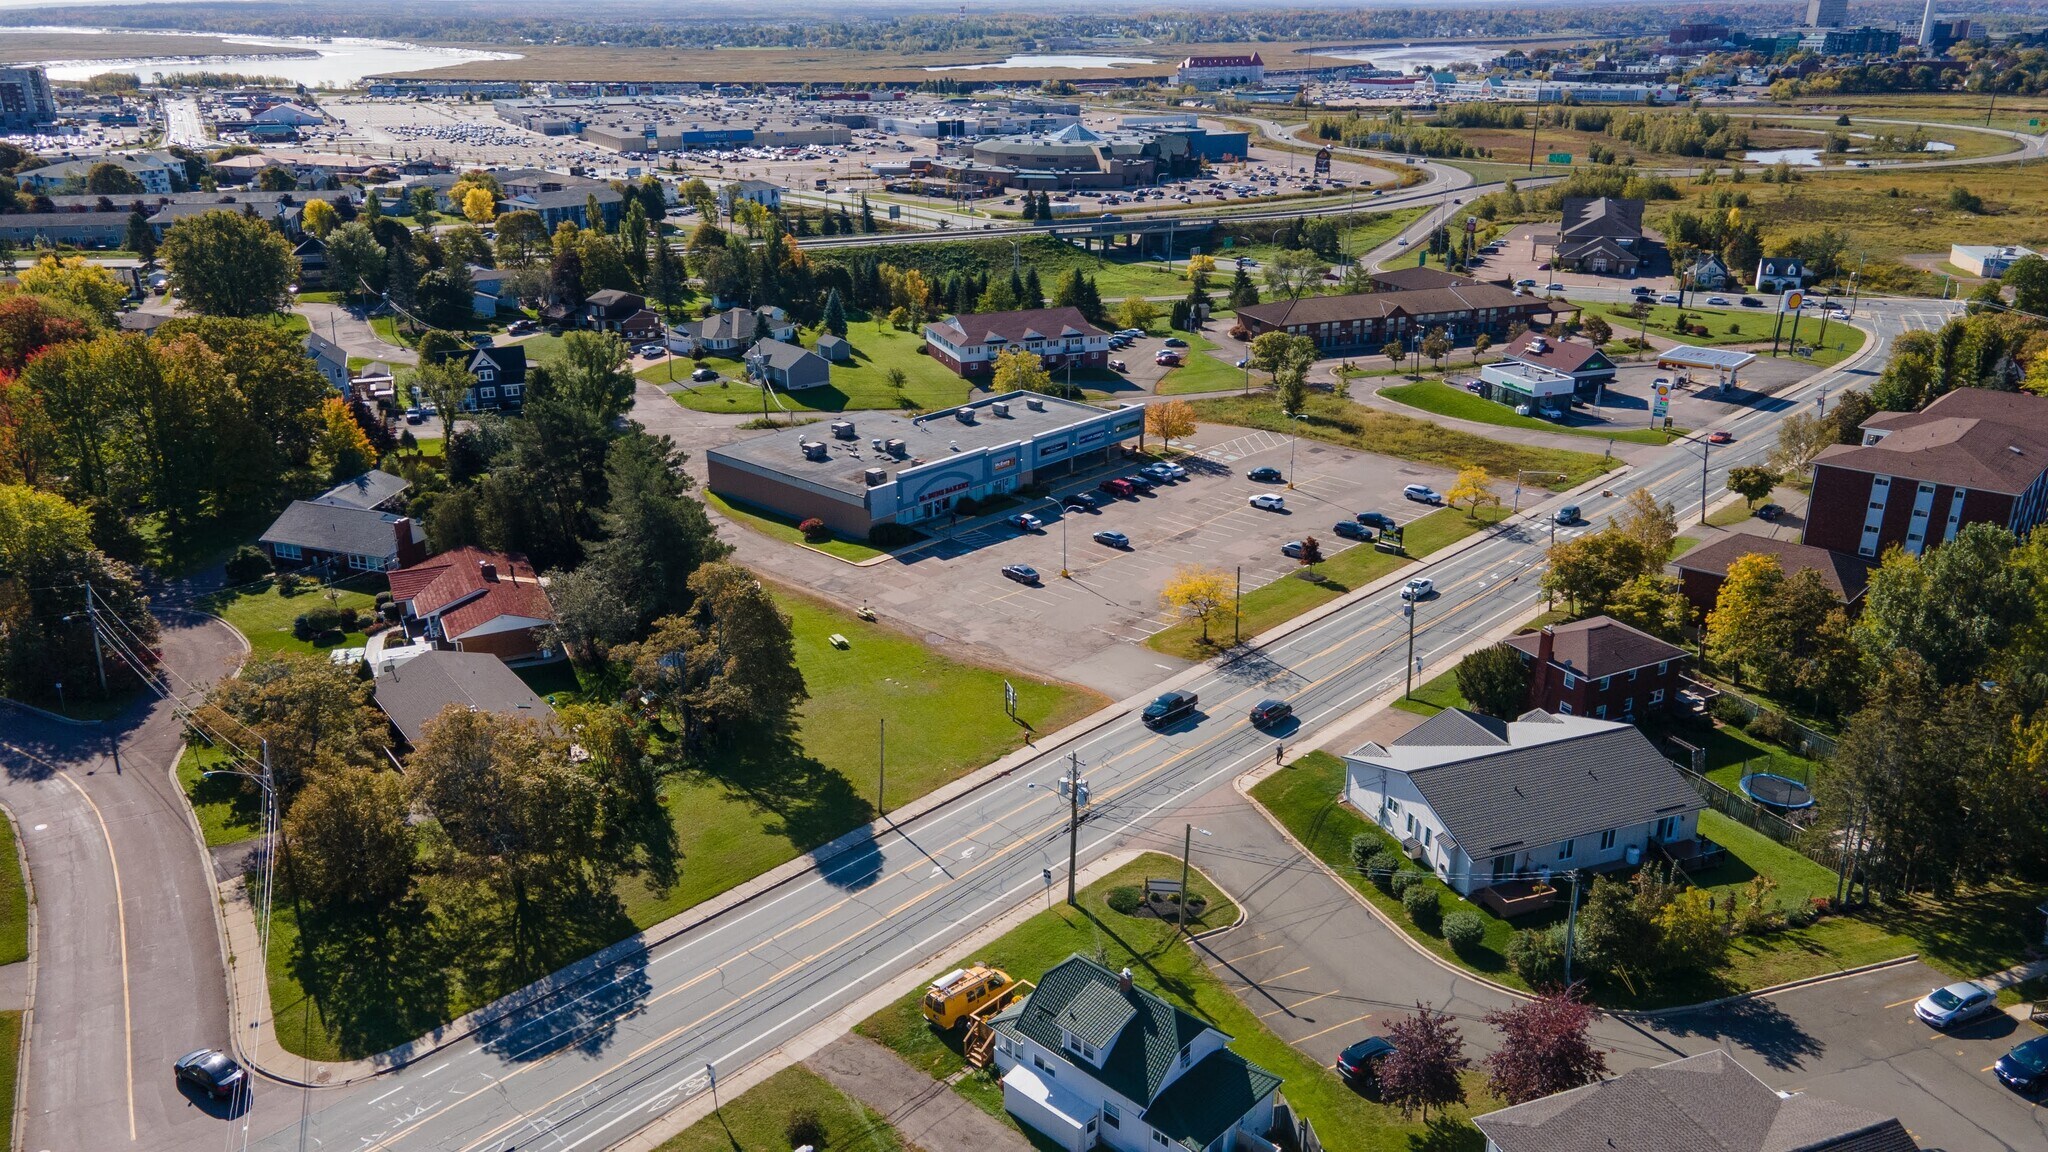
835 314
1091 300
592 214
1033 295
1243 293
141 237
867 215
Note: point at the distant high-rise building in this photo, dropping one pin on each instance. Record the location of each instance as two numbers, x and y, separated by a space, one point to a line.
1827 13
1927 27
25 99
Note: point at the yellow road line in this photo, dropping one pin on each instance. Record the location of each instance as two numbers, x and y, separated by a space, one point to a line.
1907 1000
1300 1004
1249 955
1332 1028
120 919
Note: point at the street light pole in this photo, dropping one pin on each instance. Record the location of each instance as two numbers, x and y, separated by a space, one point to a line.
1705 446
882 767
1571 925
1408 610
1073 823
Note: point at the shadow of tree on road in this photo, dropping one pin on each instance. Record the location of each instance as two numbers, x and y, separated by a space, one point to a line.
1756 1024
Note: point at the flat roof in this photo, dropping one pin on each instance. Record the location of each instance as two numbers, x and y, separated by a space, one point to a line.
927 439
1725 359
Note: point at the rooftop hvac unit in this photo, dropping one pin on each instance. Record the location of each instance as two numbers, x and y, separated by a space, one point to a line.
876 443
1034 403
897 447
815 450
875 477
843 430
999 408
964 415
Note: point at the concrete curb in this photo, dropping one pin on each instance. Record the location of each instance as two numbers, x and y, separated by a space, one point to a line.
28 1003
1789 985
10 702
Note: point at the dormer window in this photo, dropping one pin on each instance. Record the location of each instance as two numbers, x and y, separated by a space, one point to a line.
1077 1046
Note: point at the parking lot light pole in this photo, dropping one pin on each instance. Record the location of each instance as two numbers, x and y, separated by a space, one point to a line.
1529 472
1064 573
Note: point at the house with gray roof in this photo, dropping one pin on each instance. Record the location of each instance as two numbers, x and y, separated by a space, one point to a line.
373 489
1488 803
736 329
1089 1057
570 204
337 536
415 692
329 358
787 366
1703 1103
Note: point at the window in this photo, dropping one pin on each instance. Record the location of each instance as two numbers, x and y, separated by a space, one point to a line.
1632 675
1666 826
1564 707
1607 840
486 375
1111 1116
286 551
1628 705
1187 1055
1663 666
1656 696
1425 835
1604 680
1411 823
1078 1047
1039 1063
1567 850
1600 711
366 563
487 393
1159 1138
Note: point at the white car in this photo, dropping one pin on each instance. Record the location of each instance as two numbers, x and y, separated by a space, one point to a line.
1955 1004
1420 588
1269 502
1553 287
1722 301
1026 522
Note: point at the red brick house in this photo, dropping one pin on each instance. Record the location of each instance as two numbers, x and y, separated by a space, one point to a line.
1600 668
1973 456
1368 322
471 600
1702 571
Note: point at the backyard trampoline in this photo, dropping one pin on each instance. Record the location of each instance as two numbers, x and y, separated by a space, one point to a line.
1777 791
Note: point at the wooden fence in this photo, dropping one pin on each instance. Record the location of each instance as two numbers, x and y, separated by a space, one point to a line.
1817 844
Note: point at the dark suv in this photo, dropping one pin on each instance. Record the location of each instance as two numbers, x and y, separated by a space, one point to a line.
1170 706
1379 520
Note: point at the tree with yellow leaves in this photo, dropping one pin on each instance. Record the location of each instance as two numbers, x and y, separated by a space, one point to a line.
319 218
1474 487
479 206
341 449
1170 420
1200 264
1018 370
1197 592
76 279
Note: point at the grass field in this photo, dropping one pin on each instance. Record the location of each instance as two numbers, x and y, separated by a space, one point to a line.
784 528
759 1119
229 810
1304 798
863 384
1738 326
1444 400
2012 112
264 616
767 802
1434 695
1366 429
10 1058
1345 1120
1271 605
1201 372
13 902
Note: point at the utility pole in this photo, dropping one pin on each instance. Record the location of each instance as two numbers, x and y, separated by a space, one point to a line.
1705 445
1571 924
1074 824
882 768
99 658
1408 610
1237 607
1187 843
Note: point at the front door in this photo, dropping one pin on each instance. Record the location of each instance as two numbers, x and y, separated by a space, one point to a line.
1503 867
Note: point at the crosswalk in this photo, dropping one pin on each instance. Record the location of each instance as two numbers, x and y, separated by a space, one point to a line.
1240 447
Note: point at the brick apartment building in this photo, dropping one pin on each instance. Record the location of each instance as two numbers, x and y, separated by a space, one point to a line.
1369 321
1600 668
970 344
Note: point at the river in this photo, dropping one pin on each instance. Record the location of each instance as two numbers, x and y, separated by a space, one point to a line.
340 62
1407 57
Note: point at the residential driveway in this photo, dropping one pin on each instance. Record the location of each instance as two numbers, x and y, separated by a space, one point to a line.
1322 972
927 1113
353 333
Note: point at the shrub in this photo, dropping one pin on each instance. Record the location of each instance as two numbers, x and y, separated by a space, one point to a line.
1400 880
803 1127
814 530
1771 727
1464 930
247 565
1421 902
1386 864
1729 712
383 598
290 583
316 622
1537 956
1364 847
1125 898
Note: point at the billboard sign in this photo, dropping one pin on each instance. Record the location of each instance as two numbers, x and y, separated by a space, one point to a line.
1791 301
1560 157
1323 162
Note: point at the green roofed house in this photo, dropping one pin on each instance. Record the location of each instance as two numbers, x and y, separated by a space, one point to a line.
1088 1058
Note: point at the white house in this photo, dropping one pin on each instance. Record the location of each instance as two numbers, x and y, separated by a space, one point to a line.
1088 1057
760 192
1780 274
1483 802
295 115
1987 260
1221 71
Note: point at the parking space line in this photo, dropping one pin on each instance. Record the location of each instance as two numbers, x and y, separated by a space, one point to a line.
1332 1028
1907 1000
1281 976
1249 955
1289 1009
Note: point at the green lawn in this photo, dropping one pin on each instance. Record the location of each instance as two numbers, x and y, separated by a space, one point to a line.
1282 600
862 384
1444 400
1345 1120
766 802
1305 798
10 1055
1202 372
229 810
784 528
1734 326
1435 694
13 902
1730 751
1730 515
1681 545
759 1119
1364 429
264 616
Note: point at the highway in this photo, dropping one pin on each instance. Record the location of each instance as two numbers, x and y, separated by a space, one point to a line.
603 1058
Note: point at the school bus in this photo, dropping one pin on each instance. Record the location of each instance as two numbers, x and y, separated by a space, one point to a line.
954 996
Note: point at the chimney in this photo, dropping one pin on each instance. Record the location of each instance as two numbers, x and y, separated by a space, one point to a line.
1123 980
1539 684
488 571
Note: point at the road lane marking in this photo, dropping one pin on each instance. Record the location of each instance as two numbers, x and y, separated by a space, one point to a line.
120 919
1907 1000
1249 955
1269 979
1289 1009
1331 1028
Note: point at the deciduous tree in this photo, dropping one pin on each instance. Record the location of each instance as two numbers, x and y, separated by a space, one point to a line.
1544 1048
77 280
349 839
1751 482
1020 370
1198 592
1426 1068
225 263
1170 420
1495 680
1473 488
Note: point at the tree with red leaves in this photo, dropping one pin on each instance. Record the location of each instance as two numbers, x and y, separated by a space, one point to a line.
29 324
1544 1049
1426 1064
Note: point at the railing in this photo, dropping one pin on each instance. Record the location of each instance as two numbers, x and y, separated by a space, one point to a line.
1813 843
1812 745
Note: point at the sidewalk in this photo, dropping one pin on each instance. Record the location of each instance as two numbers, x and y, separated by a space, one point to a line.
927 1113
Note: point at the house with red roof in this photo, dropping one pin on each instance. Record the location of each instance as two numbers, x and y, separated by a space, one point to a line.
969 344
471 600
1589 367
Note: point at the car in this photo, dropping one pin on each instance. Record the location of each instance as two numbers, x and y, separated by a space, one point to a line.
1420 588
1670 298
1021 573
2025 1068
1175 342
1291 549
1525 283
653 352
1026 522
1118 366
1360 1062
1751 302
481 340
1954 1004
1241 362
415 416
1169 707
210 1071
1140 482
1167 359
1171 471
1351 530
1642 290
1265 475
1080 502
1474 387
1719 301
1717 436
1117 487
1379 520
1553 287
1113 539
1422 494
1269 502
1569 514
702 375
1130 333
1770 512
1267 713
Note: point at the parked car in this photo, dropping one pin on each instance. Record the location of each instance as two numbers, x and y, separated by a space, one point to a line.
702 375
211 1072
1420 588
1422 494
1175 342
1267 713
1021 573
1026 522
1080 502
1720 437
1360 1062
1474 387
1569 514
1269 502
1770 512
1167 359
652 352
1291 549
1642 290
1265 475
1117 487
1130 333
1119 366
1113 539
1351 530
1751 302
1379 520
1954 1004
1169 707
1140 482
2025 1068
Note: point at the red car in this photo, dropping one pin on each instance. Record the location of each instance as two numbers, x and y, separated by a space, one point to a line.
1118 487
1720 438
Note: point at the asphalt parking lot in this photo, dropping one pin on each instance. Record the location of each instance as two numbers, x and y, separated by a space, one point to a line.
1092 627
